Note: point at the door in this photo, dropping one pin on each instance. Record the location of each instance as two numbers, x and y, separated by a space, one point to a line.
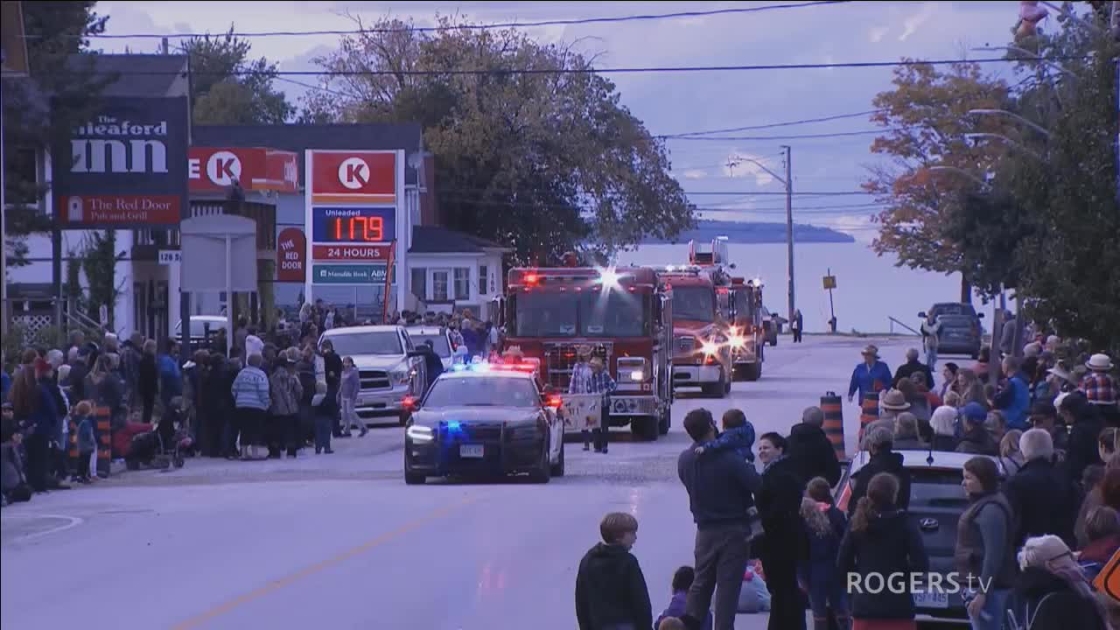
441 285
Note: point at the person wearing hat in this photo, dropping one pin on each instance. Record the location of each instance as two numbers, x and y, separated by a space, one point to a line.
286 392
869 377
1098 385
891 404
600 382
975 438
580 383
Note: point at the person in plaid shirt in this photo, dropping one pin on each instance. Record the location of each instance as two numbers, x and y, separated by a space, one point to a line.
1099 388
600 382
581 377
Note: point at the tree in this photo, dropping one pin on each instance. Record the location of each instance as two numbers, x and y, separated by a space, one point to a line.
230 88
1069 260
55 32
99 261
925 117
542 161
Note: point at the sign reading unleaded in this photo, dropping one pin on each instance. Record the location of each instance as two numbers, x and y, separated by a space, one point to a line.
124 167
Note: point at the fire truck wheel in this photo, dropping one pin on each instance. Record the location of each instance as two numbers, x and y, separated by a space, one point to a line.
664 422
645 428
752 372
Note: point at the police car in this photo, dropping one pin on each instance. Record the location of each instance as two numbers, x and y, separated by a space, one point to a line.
484 419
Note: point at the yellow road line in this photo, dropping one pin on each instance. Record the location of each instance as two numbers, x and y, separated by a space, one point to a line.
275 585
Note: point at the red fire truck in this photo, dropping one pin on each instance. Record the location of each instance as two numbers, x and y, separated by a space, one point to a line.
700 295
623 315
746 337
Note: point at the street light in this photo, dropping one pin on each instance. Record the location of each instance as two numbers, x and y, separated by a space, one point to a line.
1016 117
787 181
997 136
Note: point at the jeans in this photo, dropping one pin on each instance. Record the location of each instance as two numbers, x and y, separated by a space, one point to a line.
721 559
994 611
350 417
931 358
323 426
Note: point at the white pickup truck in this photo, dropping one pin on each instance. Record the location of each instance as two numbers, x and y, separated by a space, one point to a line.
389 376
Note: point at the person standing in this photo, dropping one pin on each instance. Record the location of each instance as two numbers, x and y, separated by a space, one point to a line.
786 543
797 325
148 380
611 591
286 396
931 339
985 548
332 374
721 486
600 382
251 400
581 377
869 377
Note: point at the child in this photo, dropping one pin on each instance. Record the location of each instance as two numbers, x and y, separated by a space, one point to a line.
825 525
682 581
738 434
325 410
754 597
87 439
671 623
348 398
610 587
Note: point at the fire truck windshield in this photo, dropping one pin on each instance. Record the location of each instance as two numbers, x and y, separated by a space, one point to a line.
744 309
591 314
695 303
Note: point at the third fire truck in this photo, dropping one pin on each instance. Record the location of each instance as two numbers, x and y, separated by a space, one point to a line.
623 315
746 337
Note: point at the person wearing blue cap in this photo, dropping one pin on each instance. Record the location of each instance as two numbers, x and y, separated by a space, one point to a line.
975 439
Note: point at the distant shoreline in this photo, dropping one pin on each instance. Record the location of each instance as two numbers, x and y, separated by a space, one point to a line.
754 233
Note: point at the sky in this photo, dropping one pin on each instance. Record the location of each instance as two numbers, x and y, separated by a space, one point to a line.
827 171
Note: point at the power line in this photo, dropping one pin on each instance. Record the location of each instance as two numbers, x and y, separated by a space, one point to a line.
745 193
483 27
804 136
790 123
624 70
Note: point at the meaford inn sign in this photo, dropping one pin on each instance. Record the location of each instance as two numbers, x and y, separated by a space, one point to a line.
125 167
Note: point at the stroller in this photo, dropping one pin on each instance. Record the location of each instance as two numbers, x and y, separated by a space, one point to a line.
163 447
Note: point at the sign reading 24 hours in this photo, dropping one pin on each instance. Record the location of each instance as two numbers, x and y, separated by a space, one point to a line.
353 225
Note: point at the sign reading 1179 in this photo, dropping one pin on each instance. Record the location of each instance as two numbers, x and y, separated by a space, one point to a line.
353 225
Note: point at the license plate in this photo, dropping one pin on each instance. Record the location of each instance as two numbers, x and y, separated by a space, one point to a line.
471 450
931 600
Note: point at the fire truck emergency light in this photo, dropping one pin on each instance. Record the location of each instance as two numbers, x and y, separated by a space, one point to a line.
735 341
609 278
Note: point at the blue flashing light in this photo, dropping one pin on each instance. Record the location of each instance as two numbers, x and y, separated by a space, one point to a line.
459 367
453 425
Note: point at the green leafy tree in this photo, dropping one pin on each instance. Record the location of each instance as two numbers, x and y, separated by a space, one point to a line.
930 165
55 33
543 161
228 87
100 264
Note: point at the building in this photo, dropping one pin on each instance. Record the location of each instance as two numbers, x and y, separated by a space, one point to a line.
435 268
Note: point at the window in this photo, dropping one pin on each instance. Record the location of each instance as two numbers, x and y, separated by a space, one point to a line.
439 343
350 344
439 286
462 283
696 303
483 277
419 281
613 314
542 314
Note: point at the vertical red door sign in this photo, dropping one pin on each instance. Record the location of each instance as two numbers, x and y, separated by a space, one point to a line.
291 255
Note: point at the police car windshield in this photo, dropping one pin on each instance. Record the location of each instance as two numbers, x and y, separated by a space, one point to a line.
439 343
482 391
357 343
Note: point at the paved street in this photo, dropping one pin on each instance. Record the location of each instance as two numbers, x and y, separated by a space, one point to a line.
341 542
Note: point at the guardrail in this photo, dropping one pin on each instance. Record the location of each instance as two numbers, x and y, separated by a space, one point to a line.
897 327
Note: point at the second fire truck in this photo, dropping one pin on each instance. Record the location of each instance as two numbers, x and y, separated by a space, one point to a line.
623 315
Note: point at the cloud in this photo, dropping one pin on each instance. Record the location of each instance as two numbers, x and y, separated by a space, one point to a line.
876 34
859 227
911 24
742 164
694 173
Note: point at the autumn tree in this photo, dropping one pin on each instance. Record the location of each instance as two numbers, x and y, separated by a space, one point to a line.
228 87
931 165
56 32
533 148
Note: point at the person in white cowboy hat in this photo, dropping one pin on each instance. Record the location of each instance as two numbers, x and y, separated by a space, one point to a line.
891 403
1100 388
869 377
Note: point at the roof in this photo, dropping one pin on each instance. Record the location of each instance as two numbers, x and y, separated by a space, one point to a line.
137 75
299 138
431 239
945 460
487 373
353 330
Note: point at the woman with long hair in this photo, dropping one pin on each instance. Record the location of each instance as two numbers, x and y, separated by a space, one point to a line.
785 546
1052 593
881 541
985 547
970 388
825 527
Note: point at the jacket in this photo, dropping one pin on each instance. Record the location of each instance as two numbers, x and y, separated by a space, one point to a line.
11 467
286 393
1043 601
1081 449
908 369
889 462
170 377
87 439
677 609
977 441
890 544
351 384
1044 500
985 548
611 590
1014 400
813 454
869 380
250 389
721 487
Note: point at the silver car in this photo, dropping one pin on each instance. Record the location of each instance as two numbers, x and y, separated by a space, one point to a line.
392 373
441 342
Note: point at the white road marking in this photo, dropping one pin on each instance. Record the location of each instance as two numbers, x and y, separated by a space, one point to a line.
71 523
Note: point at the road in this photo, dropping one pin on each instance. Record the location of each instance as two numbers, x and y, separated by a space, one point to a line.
340 541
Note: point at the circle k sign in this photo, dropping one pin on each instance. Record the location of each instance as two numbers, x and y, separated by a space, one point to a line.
353 173
223 167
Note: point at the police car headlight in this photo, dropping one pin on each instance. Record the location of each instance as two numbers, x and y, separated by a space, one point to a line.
420 434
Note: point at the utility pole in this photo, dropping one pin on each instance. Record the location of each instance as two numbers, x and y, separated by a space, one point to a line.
789 225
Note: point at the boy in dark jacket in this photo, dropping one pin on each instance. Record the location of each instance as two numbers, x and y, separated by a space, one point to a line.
611 591
737 435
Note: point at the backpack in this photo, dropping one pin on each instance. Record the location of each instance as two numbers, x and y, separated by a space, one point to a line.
1028 615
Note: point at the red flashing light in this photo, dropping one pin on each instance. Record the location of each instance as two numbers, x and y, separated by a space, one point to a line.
553 400
532 279
408 403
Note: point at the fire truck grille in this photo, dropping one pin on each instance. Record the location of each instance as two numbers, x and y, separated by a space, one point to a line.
684 344
561 358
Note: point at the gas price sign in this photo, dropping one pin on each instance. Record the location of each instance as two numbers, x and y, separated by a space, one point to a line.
354 225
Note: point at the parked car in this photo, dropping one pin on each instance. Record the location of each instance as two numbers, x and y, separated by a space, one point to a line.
201 325
772 325
937 502
958 312
959 335
391 377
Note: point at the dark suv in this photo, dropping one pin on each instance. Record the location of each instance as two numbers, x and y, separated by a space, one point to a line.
961 332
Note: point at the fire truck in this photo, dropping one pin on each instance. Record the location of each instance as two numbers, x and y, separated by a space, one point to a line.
747 337
623 315
701 291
